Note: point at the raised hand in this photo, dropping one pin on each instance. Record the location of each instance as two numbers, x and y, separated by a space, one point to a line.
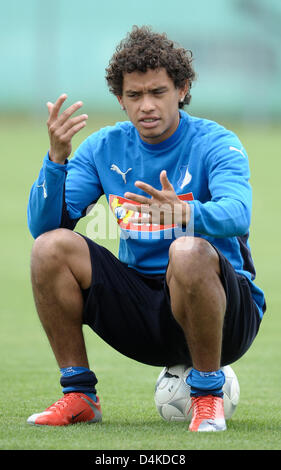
62 128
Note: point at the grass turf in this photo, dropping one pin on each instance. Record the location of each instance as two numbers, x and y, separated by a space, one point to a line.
29 374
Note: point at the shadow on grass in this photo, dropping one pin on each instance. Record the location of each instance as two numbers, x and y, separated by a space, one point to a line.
153 433
254 425
155 426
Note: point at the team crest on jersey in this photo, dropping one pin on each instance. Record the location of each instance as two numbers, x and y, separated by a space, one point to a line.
123 215
185 177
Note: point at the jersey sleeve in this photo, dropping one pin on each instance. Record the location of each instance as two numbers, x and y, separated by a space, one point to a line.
82 185
46 198
62 193
228 212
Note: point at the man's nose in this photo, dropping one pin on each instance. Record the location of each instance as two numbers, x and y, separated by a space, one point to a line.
147 104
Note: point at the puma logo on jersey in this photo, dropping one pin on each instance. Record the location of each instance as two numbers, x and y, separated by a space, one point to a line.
237 150
123 174
44 189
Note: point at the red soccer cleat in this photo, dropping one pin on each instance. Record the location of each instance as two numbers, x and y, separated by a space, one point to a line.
208 414
70 409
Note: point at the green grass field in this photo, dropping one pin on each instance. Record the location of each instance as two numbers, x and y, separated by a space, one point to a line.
29 374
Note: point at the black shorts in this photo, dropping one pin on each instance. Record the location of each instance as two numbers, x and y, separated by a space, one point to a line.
131 312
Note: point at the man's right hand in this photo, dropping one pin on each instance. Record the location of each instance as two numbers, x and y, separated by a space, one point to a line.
62 128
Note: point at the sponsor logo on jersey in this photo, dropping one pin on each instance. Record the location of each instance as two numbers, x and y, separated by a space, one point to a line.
123 215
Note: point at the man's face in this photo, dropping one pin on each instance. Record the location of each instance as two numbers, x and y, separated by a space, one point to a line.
151 102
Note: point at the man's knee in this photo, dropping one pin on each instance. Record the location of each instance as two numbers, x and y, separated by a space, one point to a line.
59 251
50 246
191 258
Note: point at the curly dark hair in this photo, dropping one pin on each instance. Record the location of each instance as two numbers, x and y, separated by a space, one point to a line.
143 49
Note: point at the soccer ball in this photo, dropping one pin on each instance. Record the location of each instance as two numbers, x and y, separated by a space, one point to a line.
172 393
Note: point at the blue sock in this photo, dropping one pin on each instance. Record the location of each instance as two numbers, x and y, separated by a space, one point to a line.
206 383
78 379
93 396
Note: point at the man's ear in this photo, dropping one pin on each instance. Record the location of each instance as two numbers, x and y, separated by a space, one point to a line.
121 102
184 90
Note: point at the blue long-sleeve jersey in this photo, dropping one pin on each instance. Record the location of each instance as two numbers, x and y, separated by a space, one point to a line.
207 166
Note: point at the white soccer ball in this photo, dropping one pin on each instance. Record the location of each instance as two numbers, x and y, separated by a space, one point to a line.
172 393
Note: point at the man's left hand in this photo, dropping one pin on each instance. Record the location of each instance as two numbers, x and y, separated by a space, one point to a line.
163 207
